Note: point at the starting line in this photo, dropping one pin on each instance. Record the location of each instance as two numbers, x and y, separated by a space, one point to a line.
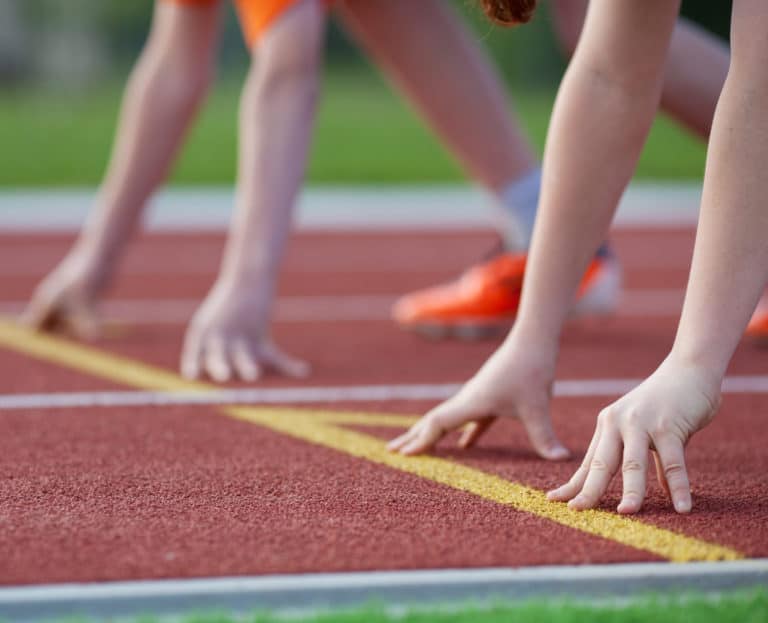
310 395
296 593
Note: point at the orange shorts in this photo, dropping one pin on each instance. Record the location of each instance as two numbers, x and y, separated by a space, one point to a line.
255 15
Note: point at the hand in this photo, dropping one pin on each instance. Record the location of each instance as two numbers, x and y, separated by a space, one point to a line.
661 414
510 384
227 339
66 299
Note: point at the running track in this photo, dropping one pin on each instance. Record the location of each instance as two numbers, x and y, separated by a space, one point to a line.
147 484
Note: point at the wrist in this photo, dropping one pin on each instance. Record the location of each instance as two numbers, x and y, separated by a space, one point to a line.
526 340
706 376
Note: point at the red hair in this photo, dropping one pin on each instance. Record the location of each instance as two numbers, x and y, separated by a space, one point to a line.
509 12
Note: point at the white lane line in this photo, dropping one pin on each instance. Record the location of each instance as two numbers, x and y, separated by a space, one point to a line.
303 395
343 207
299 309
291 593
288 309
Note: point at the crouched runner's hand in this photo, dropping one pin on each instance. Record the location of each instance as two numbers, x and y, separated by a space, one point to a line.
228 339
659 415
510 384
66 300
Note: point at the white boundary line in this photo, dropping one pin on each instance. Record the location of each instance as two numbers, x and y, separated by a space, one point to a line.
342 207
324 590
366 307
303 395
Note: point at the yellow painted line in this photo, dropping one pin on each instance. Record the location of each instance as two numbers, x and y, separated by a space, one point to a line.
621 529
315 427
61 351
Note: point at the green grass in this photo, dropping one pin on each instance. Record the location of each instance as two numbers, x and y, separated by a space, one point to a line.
365 134
735 607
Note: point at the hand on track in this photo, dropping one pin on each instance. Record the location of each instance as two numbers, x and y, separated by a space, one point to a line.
508 385
660 415
66 299
227 339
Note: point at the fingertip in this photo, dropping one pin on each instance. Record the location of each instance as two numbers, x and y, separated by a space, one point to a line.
249 376
553 495
579 503
627 507
220 375
556 453
683 506
301 370
413 449
190 369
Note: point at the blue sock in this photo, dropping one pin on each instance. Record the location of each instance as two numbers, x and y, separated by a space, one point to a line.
520 200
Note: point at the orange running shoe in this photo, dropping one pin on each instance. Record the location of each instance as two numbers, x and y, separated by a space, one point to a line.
484 300
757 328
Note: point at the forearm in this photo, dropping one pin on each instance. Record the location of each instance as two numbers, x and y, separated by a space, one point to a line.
601 118
163 93
695 70
276 120
730 261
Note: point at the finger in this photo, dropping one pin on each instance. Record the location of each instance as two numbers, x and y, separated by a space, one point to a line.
244 362
446 417
660 475
474 431
634 469
191 355
425 437
672 458
284 364
601 469
215 360
82 320
538 425
571 488
402 440
40 314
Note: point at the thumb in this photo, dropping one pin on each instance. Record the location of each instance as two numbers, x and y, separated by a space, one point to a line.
538 425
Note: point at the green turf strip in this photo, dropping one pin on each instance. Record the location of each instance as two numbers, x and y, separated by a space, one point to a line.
365 134
737 607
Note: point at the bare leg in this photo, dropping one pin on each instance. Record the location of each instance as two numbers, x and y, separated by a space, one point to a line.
429 55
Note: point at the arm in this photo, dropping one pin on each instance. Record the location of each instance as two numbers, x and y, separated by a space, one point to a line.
228 335
694 73
729 271
602 115
163 93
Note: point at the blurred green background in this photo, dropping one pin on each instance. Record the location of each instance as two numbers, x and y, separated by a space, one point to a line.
63 64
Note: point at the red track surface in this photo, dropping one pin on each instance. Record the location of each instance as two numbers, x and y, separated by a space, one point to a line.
106 494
